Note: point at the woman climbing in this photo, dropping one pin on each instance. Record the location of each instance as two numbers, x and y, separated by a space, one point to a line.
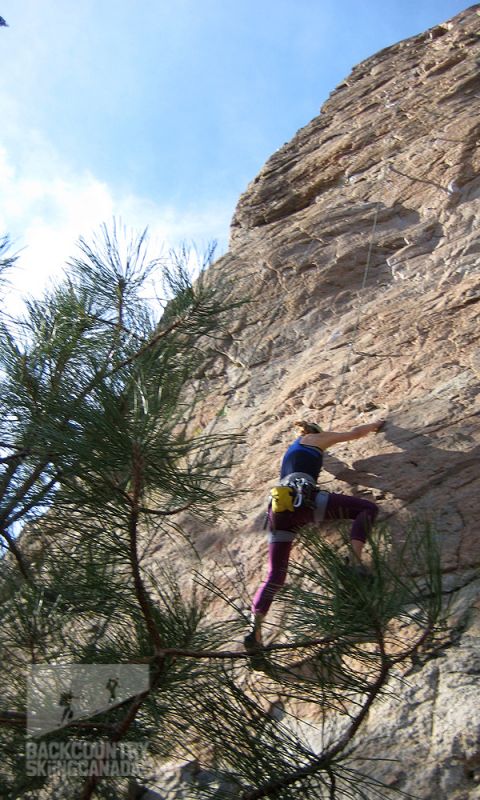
302 462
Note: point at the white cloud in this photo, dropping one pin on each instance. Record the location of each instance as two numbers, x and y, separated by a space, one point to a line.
45 208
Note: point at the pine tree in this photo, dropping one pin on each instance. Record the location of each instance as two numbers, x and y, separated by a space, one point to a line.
99 457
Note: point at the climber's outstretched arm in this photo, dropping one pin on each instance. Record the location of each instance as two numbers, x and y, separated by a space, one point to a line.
326 439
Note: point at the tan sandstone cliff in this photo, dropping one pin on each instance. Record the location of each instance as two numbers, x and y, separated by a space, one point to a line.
359 245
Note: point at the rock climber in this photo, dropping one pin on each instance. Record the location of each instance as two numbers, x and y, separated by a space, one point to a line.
303 460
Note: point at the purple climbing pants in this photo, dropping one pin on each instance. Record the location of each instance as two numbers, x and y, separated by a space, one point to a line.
339 506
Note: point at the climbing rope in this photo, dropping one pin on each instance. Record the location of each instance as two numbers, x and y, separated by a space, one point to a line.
346 366
450 189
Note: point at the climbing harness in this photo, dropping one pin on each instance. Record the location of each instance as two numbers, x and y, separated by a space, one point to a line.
293 493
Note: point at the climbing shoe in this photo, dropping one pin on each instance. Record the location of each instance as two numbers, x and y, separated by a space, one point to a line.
251 644
254 648
358 570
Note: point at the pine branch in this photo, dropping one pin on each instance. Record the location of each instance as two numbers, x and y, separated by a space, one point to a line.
118 733
155 512
18 719
22 491
141 594
38 499
233 654
15 456
9 474
105 372
17 554
274 786
325 760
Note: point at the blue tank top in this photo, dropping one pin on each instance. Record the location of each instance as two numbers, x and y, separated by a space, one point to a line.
302 458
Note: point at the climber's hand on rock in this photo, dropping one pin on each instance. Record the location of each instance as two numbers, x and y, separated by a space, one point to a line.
369 427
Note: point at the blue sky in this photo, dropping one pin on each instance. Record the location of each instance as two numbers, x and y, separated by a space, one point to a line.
161 111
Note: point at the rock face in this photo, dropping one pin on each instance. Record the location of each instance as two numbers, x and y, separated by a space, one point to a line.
359 246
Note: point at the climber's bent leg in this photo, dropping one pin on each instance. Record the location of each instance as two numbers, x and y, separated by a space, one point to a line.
362 512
